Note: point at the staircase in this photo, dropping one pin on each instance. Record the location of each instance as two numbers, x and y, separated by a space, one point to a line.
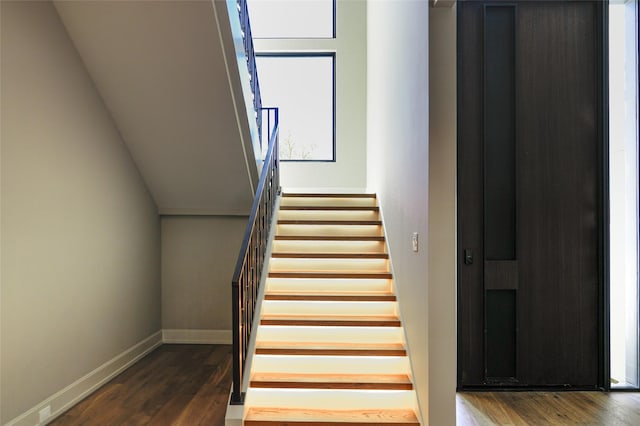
330 344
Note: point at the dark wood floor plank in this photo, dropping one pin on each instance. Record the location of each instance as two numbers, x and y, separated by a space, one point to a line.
175 384
208 406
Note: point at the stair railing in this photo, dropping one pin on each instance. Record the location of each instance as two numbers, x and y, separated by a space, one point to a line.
245 26
248 272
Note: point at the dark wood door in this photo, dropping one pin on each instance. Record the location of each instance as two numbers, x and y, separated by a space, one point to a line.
529 199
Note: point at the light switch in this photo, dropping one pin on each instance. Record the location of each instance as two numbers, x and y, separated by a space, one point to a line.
414 241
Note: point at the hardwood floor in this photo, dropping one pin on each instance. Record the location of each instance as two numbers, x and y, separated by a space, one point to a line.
548 408
189 385
173 385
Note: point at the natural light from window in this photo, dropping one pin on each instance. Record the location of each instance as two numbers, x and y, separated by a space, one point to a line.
291 18
623 155
302 87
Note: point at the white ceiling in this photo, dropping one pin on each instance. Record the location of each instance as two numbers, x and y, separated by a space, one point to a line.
160 69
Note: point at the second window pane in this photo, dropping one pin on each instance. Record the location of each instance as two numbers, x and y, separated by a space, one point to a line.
302 87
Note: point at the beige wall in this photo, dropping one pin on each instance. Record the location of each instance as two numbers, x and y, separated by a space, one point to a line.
198 259
407 141
349 169
80 233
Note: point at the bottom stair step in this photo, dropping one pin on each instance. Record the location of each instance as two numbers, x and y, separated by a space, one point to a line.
332 381
300 417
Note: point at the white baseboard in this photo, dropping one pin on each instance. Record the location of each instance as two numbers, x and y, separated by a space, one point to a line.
209 337
78 390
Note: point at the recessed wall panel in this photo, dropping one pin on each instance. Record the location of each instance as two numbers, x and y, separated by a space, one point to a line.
499 133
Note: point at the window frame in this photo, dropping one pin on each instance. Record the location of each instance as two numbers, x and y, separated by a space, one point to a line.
331 55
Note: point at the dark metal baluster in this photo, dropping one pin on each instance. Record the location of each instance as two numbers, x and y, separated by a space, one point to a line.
246 279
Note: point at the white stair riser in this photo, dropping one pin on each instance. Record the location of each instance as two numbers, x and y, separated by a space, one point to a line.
330 364
328 202
302 307
330 230
330 399
313 265
328 215
327 285
281 246
276 333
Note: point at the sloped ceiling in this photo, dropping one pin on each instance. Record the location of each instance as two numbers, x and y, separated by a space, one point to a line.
159 67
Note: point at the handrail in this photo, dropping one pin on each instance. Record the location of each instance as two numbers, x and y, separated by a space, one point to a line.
245 26
246 278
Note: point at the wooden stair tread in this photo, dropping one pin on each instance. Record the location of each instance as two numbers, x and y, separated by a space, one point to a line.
308 417
328 222
340 255
329 297
332 320
323 195
329 345
331 381
336 274
331 349
354 270
331 208
329 238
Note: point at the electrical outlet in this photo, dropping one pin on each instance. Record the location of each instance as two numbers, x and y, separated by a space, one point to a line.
414 241
45 413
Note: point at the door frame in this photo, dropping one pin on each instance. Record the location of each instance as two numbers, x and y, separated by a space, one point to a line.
604 334
606 264
602 116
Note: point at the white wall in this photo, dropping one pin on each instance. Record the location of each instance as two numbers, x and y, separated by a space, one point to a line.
349 169
398 157
80 232
400 170
442 215
199 255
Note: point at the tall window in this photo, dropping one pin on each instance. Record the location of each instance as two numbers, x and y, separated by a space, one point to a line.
302 86
301 83
623 154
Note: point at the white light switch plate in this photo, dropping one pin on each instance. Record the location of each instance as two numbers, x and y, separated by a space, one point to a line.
414 241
